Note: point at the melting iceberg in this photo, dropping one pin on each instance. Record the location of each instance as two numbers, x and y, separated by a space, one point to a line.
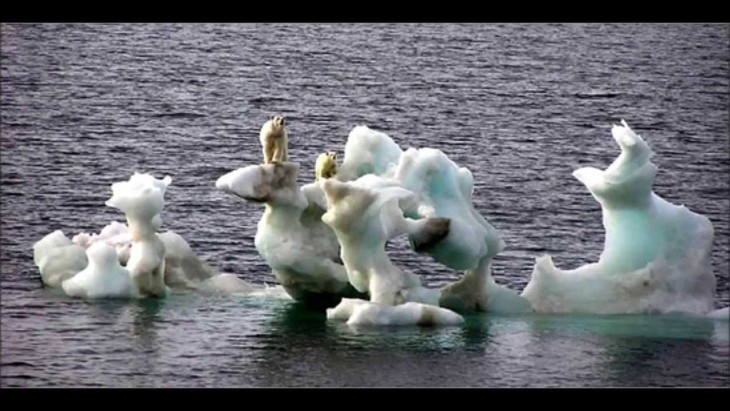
302 252
364 220
328 237
435 197
325 241
129 260
656 257
141 199
58 258
103 277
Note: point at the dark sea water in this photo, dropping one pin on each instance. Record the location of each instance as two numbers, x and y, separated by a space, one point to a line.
520 105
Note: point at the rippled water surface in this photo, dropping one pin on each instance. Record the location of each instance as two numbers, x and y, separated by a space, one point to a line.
521 105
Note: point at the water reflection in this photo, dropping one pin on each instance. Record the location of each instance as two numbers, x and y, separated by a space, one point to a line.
145 317
193 340
647 326
300 346
617 350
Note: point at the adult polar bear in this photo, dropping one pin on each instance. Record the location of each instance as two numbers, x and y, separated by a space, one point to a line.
274 140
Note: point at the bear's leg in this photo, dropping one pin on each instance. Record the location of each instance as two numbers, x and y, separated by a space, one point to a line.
284 151
279 152
268 151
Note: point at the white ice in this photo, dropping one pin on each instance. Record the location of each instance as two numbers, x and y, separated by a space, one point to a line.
183 268
158 262
379 192
300 249
720 314
58 258
224 284
656 257
328 238
115 234
103 277
368 152
361 312
142 199
364 220
385 192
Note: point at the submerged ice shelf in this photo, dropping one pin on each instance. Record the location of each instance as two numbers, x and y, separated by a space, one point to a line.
325 241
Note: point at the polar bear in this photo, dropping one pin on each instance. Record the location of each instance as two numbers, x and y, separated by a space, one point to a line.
326 165
274 140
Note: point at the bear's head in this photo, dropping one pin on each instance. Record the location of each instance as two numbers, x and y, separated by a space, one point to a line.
278 121
326 165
